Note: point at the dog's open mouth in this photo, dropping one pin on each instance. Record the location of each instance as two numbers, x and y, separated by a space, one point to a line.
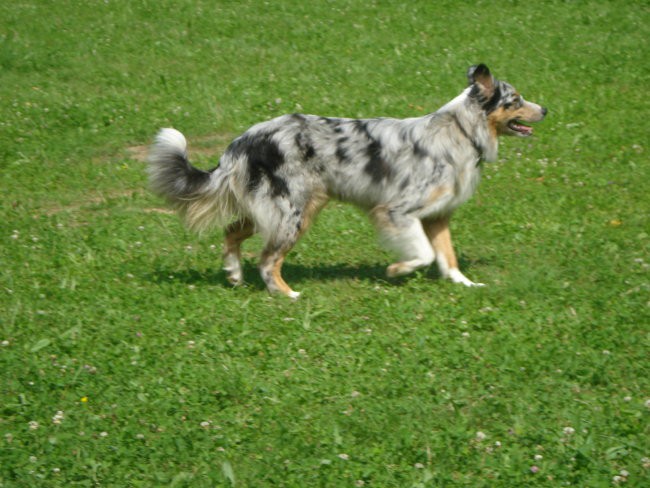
518 127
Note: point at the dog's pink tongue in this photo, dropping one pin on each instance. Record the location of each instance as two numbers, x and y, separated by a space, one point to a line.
524 129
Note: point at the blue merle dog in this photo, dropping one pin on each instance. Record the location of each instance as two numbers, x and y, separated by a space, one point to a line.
409 176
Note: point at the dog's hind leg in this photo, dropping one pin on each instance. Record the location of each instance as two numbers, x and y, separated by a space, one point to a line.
236 233
292 226
271 269
403 234
438 232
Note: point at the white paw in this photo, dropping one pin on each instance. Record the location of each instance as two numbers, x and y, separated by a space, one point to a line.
294 295
233 268
457 277
235 276
235 279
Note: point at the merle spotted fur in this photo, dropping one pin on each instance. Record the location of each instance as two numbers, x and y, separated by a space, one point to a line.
408 174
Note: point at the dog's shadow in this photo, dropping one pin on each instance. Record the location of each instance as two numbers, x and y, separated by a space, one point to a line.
292 273
296 273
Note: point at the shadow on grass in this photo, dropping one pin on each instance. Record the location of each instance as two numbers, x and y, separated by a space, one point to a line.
292 273
297 273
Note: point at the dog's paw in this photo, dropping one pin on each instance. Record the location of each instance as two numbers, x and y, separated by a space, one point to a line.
233 270
289 293
398 269
235 280
393 270
234 276
457 277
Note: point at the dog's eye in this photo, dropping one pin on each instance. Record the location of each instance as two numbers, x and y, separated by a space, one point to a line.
515 102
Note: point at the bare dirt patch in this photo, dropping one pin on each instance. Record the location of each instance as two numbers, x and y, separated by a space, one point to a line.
201 148
94 199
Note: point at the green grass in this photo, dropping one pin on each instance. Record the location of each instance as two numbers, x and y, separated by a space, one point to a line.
113 314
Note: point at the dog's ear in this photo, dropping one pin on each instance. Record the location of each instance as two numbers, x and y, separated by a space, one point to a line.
481 75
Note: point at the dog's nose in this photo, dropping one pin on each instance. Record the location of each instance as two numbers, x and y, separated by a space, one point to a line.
544 111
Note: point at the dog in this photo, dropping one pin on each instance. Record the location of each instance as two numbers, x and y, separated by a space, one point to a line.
409 175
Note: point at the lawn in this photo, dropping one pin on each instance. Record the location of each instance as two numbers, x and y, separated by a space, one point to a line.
126 358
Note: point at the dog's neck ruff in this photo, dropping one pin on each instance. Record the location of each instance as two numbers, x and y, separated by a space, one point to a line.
472 122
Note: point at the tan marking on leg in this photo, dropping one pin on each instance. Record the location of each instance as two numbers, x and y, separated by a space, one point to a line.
277 276
271 269
236 233
438 232
313 207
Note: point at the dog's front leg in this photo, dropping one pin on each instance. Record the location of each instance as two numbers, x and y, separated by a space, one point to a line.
404 235
438 232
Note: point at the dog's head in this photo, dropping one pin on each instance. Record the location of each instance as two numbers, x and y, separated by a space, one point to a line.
507 111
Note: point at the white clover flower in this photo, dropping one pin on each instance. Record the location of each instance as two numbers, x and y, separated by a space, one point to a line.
33 425
480 436
103 434
568 431
58 418
538 457
344 456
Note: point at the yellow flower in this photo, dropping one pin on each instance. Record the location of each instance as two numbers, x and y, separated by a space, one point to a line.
84 399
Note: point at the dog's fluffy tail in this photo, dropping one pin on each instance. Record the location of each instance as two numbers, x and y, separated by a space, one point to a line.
203 198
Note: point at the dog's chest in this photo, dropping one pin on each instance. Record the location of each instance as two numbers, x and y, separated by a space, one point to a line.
447 194
466 182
